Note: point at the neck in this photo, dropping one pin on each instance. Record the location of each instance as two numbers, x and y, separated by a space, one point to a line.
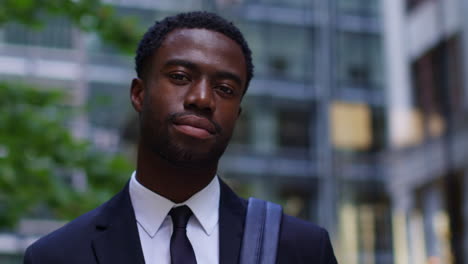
176 183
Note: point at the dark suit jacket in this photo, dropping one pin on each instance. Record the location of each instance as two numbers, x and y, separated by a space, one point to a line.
109 234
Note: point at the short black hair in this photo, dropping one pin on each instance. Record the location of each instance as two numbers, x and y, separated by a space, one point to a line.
155 35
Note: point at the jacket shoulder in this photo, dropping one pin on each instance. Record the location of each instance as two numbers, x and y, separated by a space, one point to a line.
58 244
75 236
304 242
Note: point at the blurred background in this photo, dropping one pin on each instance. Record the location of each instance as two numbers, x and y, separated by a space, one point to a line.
355 120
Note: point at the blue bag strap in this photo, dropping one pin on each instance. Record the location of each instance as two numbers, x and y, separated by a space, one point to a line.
261 232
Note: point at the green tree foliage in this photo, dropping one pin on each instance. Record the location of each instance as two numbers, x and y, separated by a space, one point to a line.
39 156
87 15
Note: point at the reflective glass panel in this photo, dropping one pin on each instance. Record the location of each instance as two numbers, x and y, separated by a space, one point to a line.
359 60
359 7
55 33
280 51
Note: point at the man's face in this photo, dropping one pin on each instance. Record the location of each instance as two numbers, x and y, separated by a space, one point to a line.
190 99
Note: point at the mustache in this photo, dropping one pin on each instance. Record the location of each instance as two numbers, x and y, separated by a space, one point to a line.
172 117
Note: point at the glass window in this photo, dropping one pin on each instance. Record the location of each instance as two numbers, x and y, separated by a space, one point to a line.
411 4
379 129
351 127
288 3
294 128
108 105
280 51
358 127
299 199
144 17
253 33
437 78
359 60
55 33
437 85
359 7
242 131
94 44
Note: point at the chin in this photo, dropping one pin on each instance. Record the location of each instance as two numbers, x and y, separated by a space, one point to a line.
190 157
191 160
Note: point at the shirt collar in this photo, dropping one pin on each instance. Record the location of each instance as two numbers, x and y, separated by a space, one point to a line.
151 208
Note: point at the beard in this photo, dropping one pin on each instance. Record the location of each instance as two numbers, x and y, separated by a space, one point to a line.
188 153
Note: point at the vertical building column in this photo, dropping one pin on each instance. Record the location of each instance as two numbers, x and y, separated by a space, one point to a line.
80 92
323 150
432 207
349 233
463 9
80 125
398 92
402 204
464 62
417 252
465 213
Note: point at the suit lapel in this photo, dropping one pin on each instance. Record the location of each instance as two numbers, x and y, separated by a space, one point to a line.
117 240
231 225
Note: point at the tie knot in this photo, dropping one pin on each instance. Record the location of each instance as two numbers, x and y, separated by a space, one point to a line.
180 216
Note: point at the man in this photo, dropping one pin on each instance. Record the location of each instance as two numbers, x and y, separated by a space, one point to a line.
193 70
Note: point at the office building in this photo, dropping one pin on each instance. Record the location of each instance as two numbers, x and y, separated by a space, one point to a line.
313 134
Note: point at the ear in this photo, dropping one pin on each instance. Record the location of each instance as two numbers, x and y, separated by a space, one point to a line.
137 94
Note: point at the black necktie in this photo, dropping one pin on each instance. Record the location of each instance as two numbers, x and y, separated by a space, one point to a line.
181 249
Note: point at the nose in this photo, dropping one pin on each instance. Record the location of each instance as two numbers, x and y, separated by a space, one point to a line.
200 97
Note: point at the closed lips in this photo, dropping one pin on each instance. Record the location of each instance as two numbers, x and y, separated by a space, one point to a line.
195 121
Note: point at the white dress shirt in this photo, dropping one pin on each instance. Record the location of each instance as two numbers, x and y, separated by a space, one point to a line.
155 226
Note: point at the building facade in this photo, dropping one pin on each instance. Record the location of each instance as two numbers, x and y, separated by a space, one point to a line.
313 134
426 55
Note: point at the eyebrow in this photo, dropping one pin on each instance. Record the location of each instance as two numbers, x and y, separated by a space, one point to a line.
184 63
192 66
230 76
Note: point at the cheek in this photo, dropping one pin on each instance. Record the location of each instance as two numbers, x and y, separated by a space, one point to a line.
153 111
230 122
168 99
160 104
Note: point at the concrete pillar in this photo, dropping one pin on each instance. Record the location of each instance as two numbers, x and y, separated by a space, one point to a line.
464 62
80 126
465 213
402 204
463 8
323 151
432 205
398 92
349 234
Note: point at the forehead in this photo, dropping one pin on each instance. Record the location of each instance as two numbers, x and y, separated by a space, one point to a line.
202 46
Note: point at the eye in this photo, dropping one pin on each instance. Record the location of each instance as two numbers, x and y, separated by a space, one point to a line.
225 89
179 77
